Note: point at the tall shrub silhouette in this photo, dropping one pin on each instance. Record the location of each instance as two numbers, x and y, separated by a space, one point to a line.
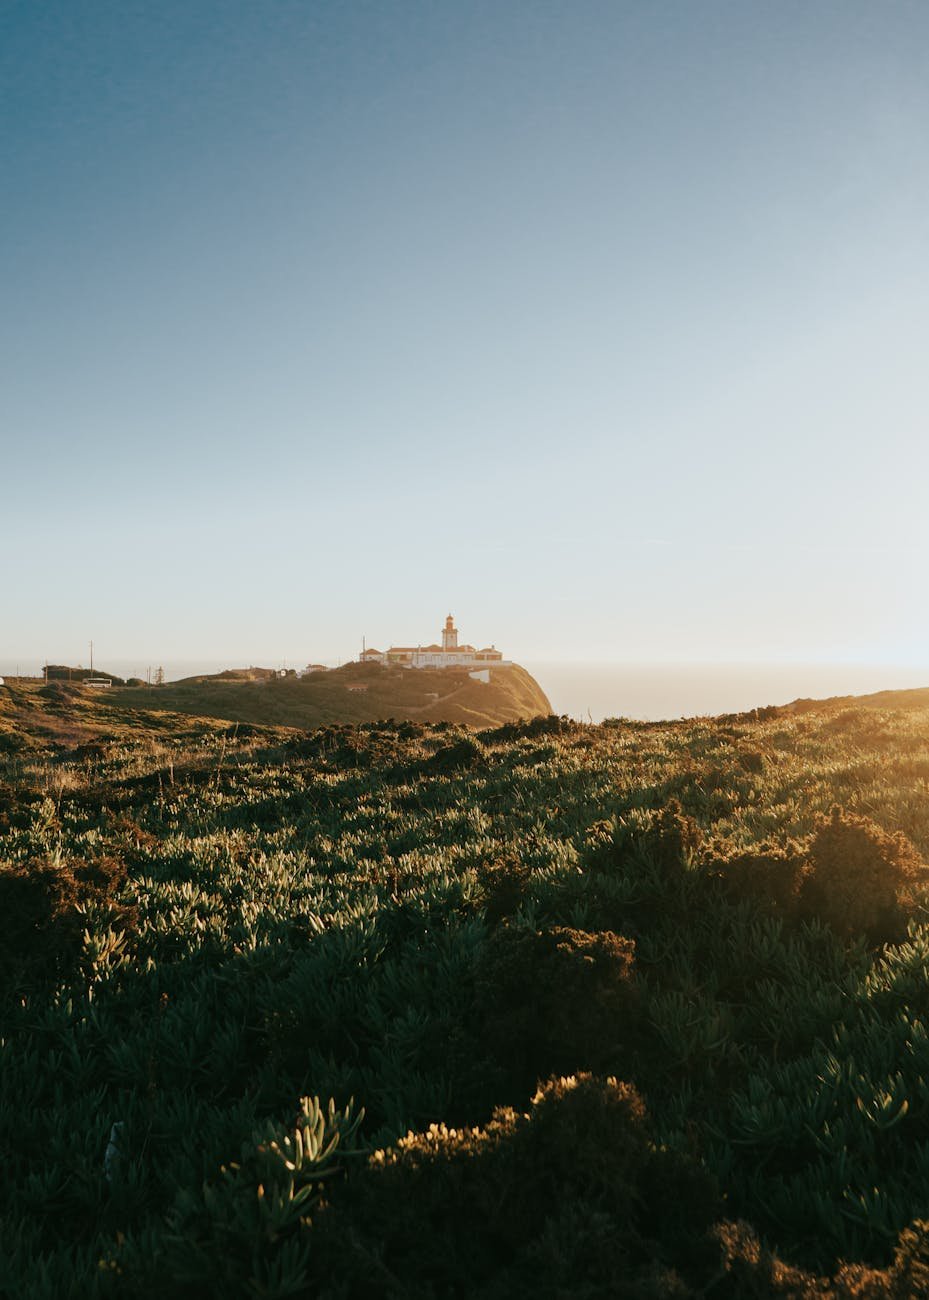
555 1002
859 878
572 1198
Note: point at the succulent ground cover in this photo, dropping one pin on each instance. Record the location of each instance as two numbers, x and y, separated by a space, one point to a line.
407 1009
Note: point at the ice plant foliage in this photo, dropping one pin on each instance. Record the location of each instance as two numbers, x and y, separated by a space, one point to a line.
637 1009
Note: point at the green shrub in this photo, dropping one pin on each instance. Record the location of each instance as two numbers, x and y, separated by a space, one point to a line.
860 880
245 1231
552 725
554 1002
461 756
665 840
770 875
572 1198
751 1271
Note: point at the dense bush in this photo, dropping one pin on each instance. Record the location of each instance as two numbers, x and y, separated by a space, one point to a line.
849 874
534 727
572 1198
553 1001
249 1222
860 879
752 1271
458 757
769 875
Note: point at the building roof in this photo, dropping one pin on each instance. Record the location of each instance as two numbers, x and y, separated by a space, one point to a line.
395 651
434 650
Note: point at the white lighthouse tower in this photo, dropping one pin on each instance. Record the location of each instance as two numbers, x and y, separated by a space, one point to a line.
450 636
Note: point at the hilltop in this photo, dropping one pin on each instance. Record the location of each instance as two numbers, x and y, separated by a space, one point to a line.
914 698
355 693
352 693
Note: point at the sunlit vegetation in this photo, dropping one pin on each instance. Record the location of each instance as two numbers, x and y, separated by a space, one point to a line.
352 693
405 1009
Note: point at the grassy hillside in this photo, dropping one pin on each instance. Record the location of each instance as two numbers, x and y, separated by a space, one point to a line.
896 700
447 695
633 1010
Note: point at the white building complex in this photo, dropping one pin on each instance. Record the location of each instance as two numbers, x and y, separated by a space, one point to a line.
447 655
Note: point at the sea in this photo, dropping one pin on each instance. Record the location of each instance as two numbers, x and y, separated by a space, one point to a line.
591 692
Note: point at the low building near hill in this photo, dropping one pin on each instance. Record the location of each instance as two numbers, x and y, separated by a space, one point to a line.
447 655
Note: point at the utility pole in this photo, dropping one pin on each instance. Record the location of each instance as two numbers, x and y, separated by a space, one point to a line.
91 658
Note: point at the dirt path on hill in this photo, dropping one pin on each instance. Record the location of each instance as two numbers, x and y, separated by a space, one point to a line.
441 701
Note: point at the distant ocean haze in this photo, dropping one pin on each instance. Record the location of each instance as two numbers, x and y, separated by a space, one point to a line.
656 691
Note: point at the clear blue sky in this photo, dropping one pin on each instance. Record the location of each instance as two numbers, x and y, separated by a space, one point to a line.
603 325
